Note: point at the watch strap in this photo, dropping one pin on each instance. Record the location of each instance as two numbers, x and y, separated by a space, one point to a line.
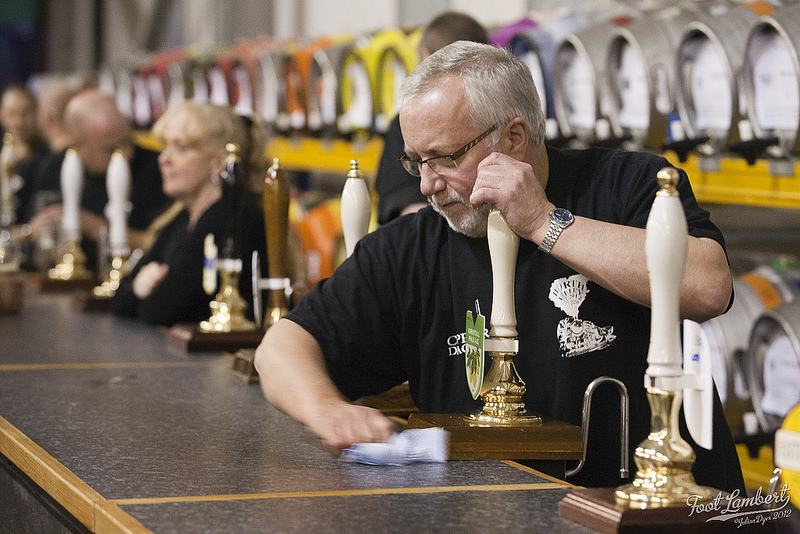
552 234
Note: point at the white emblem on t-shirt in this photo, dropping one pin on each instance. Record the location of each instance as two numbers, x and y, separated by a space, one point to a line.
577 336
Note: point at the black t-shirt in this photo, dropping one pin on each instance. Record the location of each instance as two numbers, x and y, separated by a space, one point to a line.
180 297
396 309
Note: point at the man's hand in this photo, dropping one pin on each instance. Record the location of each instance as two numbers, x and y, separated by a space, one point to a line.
48 217
342 424
295 380
148 279
511 186
91 224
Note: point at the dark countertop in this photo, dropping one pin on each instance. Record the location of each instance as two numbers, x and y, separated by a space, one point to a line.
180 444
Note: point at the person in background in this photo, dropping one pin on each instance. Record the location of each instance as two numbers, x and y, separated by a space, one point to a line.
53 99
96 129
395 309
166 285
18 109
398 193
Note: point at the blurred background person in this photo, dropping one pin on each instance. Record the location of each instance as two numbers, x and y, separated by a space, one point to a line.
96 129
18 109
166 286
53 99
398 191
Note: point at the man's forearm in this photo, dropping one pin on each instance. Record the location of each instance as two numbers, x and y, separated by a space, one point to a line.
295 380
292 371
613 256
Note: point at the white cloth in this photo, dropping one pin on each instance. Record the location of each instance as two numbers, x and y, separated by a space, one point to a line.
409 446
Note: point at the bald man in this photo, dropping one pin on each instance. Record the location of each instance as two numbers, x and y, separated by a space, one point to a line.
97 128
53 101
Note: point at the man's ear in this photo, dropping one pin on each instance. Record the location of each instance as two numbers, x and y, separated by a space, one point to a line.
517 138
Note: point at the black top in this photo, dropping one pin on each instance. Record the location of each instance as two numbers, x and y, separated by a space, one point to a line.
395 311
395 187
27 171
180 297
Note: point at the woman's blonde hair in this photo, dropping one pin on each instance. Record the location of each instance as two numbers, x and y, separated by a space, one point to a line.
211 127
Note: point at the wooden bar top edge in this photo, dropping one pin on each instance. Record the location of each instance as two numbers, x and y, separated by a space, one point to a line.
75 495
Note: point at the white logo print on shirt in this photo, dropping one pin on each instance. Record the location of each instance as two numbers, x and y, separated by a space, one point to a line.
576 336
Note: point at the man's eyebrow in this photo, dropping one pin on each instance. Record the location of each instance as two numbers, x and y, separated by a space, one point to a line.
432 153
410 153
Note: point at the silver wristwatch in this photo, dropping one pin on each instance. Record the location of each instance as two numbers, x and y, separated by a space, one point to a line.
559 219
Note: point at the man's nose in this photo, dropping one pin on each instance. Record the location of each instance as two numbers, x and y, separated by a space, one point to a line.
430 182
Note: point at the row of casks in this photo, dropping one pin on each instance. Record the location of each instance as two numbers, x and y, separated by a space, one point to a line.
332 85
715 77
755 347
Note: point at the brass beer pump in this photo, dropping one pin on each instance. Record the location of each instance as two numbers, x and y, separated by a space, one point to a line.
276 221
228 307
276 226
72 266
664 459
502 388
118 185
503 428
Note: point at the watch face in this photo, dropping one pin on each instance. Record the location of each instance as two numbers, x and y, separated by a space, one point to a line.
562 216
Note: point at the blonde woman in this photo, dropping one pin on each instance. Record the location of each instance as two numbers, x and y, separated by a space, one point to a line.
166 286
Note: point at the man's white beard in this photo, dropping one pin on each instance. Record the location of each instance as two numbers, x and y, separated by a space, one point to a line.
472 223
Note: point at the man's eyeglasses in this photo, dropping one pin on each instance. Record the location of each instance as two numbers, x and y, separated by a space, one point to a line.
442 164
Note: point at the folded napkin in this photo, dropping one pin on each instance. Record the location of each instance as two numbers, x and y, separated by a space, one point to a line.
416 445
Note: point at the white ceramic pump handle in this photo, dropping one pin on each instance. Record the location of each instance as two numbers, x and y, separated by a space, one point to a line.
355 208
71 192
503 249
118 186
665 247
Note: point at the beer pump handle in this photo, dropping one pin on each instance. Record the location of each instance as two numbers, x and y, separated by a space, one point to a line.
276 219
355 207
71 192
503 248
232 179
118 186
665 247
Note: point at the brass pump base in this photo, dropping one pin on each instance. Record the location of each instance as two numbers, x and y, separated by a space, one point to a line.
664 460
274 313
501 394
72 265
227 308
110 284
7 264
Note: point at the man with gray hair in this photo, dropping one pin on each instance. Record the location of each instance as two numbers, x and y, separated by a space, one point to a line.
398 193
394 311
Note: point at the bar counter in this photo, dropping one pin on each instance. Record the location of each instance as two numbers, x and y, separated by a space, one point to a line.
105 429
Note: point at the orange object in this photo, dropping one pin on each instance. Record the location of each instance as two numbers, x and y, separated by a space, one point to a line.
761 8
320 232
765 290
